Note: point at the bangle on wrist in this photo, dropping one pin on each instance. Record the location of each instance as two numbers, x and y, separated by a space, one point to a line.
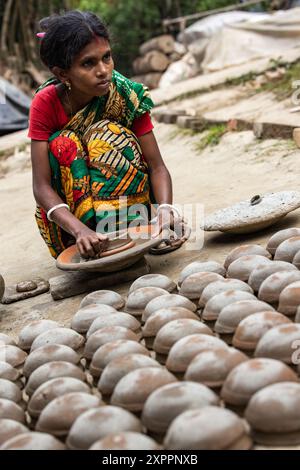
58 206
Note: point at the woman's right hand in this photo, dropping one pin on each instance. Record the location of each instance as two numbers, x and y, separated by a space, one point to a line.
90 243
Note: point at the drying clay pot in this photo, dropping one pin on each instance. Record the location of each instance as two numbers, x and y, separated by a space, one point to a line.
279 343
245 250
10 391
280 237
261 273
10 410
126 441
170 333
198 267
52 370
59 415
139 298
8 372
274 414
33 441
52 389
216 304
98 423
233 314
289 299
33 330
224 285
212 366
297 320
193 285
287 249
115 319
183 351
271 287
9 429
169 401
242 267
12 354
64 336
52 352
134 388
119 367
107 297
153 280
2 287
83 319
253 375
163 316
253 327
166 301
296 260
6 339
209 428
113 350
106 335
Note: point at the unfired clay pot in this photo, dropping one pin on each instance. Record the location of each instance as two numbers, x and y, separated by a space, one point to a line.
289 299
165 301
169 401
10 391
193 285
85 316
287 249
209 428
32 330
280 343
126 441
224 285
98 423
9 429
12 355
10 410
280 237
134 388
274 414
106 335
271 287
242 267
139 298
33 441
296 260
8 372
6 339
64 336
198 267
153 280
212 366
107 297
261 273
245 250
52 352
115 319
216 304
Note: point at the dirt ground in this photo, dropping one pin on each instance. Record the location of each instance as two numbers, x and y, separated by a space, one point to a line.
239 167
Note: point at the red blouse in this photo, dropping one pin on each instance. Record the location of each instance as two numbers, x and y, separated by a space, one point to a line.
47 116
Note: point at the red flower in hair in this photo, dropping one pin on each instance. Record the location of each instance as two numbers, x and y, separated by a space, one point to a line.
64 149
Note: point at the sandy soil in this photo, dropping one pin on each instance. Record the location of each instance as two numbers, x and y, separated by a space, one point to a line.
238 168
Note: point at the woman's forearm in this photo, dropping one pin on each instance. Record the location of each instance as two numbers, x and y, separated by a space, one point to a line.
161 184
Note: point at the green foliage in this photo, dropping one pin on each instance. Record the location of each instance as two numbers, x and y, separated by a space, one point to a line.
212 137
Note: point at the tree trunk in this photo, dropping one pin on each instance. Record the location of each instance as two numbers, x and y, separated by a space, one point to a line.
153 61
164 43
5 25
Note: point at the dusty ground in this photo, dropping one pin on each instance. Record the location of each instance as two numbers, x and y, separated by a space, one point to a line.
236 169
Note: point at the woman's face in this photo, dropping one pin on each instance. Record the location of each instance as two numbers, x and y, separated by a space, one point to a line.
92 69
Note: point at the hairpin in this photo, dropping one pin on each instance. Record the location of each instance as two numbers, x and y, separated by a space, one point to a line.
41 35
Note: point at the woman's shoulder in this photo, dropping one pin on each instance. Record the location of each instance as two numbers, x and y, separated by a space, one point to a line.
46 94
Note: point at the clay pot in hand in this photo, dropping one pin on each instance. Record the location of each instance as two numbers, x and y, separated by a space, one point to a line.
183 351
119 367
115 319
134 388
287 249
245 250
139 298
253 327
10 410
106 335
279 343
261 273
12 355
52 370
153 280
33 441
169 401
85 316
289 299
274 414
59 415
10 391
224 285
98 423
193 285
209 428
211 367
52 389
165 301
272 287
9 429
198 267
6 339
280 237
52 352
107 297
242 267
253 375
113 350
33 330
126 441
64 336
216 304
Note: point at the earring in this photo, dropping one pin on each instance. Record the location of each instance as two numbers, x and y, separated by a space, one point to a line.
68 85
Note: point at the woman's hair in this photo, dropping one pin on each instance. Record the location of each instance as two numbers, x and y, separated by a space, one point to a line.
66 35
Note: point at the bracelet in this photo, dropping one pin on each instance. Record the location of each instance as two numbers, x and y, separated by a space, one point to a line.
58 206
170 206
